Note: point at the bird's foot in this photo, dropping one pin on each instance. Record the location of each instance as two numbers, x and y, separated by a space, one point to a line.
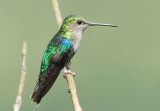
69 72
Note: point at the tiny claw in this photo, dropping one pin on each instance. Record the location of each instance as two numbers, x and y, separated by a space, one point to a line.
69 72
64 75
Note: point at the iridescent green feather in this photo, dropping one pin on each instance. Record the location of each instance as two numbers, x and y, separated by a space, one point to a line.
61 46
50 50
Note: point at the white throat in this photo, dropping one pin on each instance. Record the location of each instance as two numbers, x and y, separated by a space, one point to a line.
77 38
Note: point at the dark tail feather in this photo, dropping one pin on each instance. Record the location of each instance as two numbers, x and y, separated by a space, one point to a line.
43 85
40 91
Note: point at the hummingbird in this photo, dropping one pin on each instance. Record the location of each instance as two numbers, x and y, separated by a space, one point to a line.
59 53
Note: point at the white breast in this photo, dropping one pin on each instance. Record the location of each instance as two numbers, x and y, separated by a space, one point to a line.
77 39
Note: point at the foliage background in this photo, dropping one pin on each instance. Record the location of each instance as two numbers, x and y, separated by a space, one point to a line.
117 69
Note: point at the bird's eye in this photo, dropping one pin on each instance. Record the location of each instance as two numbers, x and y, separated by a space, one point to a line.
79 22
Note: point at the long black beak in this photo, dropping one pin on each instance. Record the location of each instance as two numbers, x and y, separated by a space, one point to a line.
100 24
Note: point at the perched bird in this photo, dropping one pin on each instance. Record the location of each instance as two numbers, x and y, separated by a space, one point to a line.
59 52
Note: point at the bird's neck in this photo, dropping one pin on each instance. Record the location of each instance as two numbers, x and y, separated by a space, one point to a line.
77 38
73 36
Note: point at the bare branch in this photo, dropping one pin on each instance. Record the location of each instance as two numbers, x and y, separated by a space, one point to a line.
73 92
57 12
69 77
18 102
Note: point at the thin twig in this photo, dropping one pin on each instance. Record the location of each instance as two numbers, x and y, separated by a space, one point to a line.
57 12
73 92
18 102
69 77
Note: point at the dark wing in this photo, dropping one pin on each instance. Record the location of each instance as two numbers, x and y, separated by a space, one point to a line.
54 59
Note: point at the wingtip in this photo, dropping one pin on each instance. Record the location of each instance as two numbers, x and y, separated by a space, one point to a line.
35 100
37 103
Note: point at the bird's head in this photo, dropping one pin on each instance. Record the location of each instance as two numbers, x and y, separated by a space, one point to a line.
78 23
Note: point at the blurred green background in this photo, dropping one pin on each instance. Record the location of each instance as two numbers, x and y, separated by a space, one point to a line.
117 69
